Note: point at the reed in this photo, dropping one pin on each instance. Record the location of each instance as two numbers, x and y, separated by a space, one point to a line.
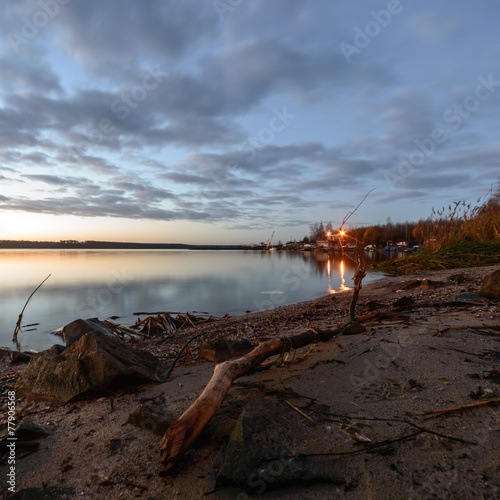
464 236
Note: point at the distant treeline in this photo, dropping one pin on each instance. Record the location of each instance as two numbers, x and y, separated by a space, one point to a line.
459 221
108 245
369 235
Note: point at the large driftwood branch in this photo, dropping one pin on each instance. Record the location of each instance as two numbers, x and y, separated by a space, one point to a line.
181 435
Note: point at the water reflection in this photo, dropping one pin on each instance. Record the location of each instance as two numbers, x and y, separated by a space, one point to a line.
118 283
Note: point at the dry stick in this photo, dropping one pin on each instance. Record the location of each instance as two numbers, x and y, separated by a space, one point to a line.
348 216
458 408
405 421
358 278
472 328
18 325
366 449
301 413
181 435
179 354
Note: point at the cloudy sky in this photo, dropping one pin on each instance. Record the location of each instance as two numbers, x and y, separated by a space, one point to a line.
221 121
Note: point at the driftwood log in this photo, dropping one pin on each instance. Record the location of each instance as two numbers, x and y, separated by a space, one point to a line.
181 435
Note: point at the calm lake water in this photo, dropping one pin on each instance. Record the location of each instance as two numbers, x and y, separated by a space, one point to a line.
105 283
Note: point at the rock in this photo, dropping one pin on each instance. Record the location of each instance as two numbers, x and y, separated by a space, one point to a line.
457 278
266 450
78 328
223 349
372 305
354 328
93 365
29 432
403 301
151 419
491 286
424 284
14 357
469 299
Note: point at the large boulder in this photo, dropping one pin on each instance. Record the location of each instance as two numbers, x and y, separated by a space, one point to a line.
491 286
78 328
95 364
268 448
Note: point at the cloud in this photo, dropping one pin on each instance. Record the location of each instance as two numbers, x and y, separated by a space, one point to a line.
56 180
163 111
402 196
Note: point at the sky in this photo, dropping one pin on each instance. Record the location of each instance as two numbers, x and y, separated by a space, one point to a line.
223 121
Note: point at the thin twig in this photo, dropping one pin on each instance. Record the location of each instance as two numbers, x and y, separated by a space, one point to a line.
402 420
179 354
301 413
348 216
367 448
19 320
458 408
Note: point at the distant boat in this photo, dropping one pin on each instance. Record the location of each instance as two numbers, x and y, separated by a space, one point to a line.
270 243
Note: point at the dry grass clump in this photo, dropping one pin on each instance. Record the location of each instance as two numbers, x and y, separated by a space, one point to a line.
466 222
464 236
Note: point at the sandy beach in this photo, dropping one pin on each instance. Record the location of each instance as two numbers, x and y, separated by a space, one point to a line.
353 407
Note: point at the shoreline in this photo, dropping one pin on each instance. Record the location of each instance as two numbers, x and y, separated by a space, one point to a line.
366 384
293 317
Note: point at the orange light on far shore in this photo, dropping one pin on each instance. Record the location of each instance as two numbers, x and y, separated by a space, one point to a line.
342 232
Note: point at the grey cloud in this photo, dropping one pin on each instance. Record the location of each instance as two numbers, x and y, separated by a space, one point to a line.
56 180
36 157
21 75
107 205
402 196
182 178
276 200
112 36
340 204
145 192
433 181
410 116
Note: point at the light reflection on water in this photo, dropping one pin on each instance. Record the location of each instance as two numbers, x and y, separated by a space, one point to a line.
105 283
